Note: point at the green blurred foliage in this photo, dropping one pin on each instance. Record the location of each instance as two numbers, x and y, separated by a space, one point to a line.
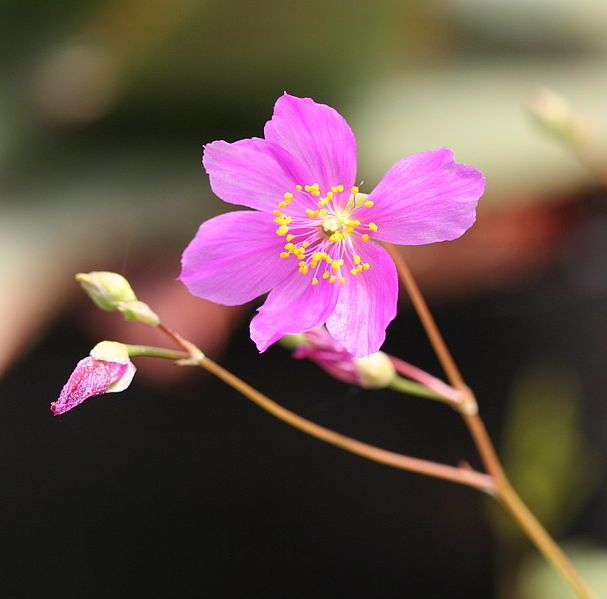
544 451
537 580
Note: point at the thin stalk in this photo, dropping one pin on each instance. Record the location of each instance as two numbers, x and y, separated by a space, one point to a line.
463 476
136 351
506 495
419 303
403 385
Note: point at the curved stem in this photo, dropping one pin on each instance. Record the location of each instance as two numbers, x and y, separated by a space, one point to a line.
463 476
434 335
506 494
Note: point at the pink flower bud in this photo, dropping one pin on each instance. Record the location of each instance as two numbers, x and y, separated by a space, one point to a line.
372 372
107 370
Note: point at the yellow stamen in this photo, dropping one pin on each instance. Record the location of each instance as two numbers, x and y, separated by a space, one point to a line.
366 266
314 281
342 279
354 190
326 275
356 260
284 254
365 237
373 227
369 204
290 237
332 279
282 230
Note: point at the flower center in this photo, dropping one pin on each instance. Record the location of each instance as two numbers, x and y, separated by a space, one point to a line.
324 239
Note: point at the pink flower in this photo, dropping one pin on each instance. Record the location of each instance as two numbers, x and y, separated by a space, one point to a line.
311 239
94 375
372 372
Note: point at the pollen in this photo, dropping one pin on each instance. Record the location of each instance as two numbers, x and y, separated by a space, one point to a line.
356 260
354 190
284 254
282 230
290 237
314 281
365 237
373 227
369 204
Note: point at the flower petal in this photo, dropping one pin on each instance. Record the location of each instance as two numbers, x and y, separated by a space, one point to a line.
234 258
366 304
90 377
251 172
293 307
424 198
318 136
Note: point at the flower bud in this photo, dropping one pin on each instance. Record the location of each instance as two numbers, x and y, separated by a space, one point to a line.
106 289
138 311
554 114
107 369
375 371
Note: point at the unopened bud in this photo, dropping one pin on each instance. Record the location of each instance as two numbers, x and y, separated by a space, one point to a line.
106 289
554 114
375 371
138 311
111 351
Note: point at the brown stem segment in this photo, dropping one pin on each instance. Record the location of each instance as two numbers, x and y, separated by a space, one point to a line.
463 476
506 495
419 303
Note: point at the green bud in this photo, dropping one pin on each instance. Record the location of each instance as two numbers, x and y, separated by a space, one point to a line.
138 311
375 371
106 289
111 351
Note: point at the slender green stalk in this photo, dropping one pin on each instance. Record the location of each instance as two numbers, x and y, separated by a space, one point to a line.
403 385
136 351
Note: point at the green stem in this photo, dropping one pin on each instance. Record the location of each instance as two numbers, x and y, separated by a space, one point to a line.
403 385
136 351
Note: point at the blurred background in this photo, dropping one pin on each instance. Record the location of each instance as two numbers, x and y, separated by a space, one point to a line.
178 487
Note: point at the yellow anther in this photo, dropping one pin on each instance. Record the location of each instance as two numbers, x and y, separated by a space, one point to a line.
314 281
356 260
288 196
359 268
326 275
284 254
311 213
366 266
365 237
305 244
342 279
290 237
329 195
332 279
282 230
316 256
327 258
277 212
283 204
298 187
289 246
354 190
373 227
354 271
339 188
369 204
322 212
335 266
303 268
